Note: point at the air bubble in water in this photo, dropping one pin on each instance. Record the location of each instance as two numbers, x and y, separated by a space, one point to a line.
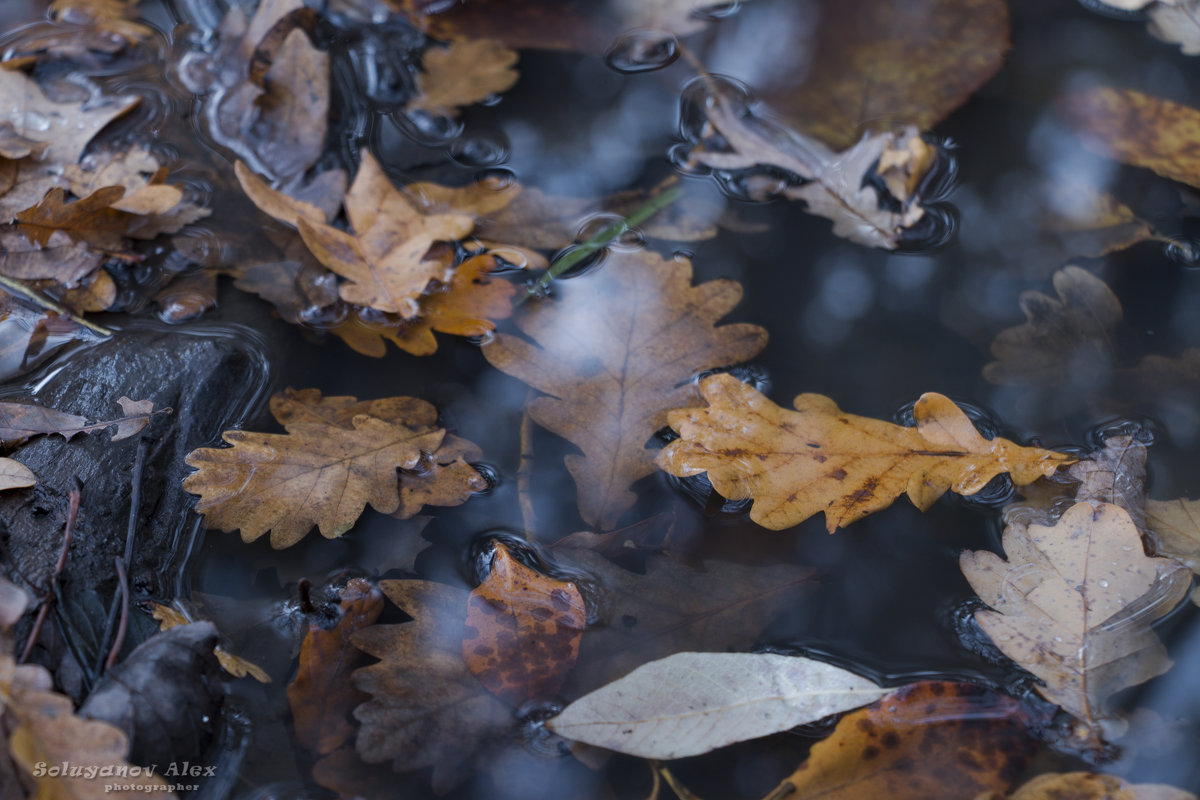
430 130
1183 252
642 51
695 100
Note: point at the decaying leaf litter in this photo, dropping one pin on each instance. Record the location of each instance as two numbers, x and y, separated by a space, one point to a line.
644 361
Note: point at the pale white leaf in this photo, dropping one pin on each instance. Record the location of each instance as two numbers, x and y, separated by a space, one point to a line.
691 703
15 475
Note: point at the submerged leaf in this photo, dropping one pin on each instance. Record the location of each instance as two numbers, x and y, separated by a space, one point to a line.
65 128
521 636
613 356
927 740
690 703
795 464
426 708
1174 527
172 616
1073 605
322 696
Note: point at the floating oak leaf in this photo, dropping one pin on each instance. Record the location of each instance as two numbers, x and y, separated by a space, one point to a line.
322 696
90 219
1137 129
1114 474
691 703
338 455
61 260
111 17
1174 527
1073 605
672 608
614 355
1087 222
19 421
384 256
426 708
1088 786
1061 337
856 188
172 616
859 74
43 728
794 464
462 73
934 739
522 632
65 128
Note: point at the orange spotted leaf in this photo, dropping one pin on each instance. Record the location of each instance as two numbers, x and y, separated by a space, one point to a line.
933 739
522 632
322 696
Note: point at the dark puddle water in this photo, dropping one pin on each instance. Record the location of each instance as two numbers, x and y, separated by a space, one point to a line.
871 329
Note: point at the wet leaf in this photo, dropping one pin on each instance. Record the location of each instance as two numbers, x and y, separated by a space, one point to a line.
522 633
19 421
187 296
1114 474
1177 22
90 219
172 616
839 186
15 475
1174 528
110 17
1073 605
44 728
338 455
426 708
526 23
1089 786
1089 223
384 257
97 292
28 336
934 739
638 331
65 128
1062 336
60 259
322 696
1137 129
672 608
795 464
862 73
691 703
463 73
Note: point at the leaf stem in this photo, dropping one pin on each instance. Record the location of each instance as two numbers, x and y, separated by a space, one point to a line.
16 287
602 239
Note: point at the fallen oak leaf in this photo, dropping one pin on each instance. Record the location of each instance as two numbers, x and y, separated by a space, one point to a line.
462 73
321 695
338 456
426 708
931 739
1174 529
794 464
19 421
171 616
64 128
1137 129
1060 335
1088 786
639 331
692 703
1089 223
522 631
1073 605
384 256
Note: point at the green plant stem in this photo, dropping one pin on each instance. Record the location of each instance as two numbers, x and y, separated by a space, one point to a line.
602 239
16 287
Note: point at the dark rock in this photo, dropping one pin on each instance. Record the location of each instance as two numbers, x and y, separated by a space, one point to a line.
165 696
209 377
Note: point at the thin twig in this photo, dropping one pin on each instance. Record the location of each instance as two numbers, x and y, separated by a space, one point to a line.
135 507
602 239
525 475
68 532
123 583
16 287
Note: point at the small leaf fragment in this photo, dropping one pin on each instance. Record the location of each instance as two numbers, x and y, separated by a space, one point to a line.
691 703
15 475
